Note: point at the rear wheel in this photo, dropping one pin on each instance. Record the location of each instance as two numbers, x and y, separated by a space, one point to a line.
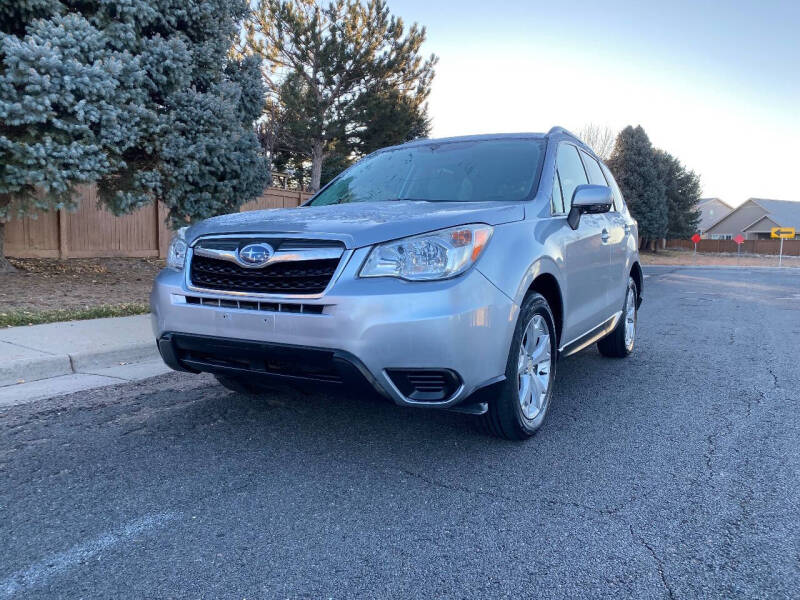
524 397
620 342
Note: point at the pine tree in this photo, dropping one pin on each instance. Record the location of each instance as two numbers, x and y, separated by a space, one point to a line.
140 96
636 169
683 191
322 61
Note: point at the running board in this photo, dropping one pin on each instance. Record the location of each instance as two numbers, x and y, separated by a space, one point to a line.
587 339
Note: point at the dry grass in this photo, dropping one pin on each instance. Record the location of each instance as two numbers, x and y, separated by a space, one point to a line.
47 290
25 317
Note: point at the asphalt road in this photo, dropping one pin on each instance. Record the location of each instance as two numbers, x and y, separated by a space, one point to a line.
673 474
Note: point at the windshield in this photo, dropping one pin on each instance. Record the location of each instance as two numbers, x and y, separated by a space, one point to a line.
469 171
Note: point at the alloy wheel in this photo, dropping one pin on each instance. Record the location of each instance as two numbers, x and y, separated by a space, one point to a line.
534 367
630 316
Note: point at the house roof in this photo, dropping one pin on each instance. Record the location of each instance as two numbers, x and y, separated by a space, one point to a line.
707 216
720 200
786 213
769 227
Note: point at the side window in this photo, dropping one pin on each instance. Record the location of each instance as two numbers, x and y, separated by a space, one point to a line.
570 172
618 200
596 176
558 199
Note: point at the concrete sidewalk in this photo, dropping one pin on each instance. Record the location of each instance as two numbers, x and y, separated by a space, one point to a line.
99 347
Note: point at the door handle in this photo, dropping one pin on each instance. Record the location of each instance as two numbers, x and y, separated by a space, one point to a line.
627 229
604 237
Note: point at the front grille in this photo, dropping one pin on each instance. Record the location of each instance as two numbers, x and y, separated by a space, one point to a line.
288 307
300 277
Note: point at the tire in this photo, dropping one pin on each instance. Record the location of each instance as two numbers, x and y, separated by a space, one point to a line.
507 417
615 344
239 385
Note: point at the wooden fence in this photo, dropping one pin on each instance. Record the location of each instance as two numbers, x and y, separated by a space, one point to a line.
790 247
91 231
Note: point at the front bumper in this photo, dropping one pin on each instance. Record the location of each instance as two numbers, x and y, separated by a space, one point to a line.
375 326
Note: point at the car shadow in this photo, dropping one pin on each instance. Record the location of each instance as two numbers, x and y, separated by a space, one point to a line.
296 420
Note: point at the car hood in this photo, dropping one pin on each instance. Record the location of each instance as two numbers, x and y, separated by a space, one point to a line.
363 223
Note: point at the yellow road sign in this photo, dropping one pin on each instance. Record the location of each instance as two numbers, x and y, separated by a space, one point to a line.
786 233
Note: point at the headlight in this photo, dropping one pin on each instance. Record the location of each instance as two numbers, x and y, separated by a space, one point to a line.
176 255
436 255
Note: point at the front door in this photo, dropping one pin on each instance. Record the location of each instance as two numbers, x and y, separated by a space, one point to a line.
586 259
586 254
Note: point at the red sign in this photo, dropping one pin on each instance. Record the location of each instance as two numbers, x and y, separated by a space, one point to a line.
739 239
696 238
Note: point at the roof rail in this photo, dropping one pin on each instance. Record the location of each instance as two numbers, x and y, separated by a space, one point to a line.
557 129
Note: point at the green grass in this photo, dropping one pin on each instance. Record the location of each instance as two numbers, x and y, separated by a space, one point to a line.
26 317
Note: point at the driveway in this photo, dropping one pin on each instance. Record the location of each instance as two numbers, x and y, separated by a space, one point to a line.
673 474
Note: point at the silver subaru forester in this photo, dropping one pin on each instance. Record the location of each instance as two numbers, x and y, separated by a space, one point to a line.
447 273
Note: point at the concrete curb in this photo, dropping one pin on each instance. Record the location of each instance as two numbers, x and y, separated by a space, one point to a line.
40 352
127 353
32 369
12 395
44 367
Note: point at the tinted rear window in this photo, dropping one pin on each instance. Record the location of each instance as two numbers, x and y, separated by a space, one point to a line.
469 171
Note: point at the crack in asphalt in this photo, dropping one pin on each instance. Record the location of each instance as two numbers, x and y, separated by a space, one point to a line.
728 426
775 383
659 562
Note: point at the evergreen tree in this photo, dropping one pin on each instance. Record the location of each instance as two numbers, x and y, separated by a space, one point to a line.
140 96
683 194
323 62
635 166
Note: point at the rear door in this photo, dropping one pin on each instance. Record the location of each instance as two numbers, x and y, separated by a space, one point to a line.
586 259
619 243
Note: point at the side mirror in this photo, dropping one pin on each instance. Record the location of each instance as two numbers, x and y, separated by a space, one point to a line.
591 199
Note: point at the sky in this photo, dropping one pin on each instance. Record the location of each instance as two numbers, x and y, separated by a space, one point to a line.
717 84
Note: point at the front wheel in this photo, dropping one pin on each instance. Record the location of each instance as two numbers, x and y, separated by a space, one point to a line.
620 342
521 406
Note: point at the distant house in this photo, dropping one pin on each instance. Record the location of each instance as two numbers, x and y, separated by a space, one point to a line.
755 219
711 211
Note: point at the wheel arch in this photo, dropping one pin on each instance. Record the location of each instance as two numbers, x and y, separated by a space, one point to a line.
638 277
547 285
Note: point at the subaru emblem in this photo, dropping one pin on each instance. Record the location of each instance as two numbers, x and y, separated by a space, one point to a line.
255 255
